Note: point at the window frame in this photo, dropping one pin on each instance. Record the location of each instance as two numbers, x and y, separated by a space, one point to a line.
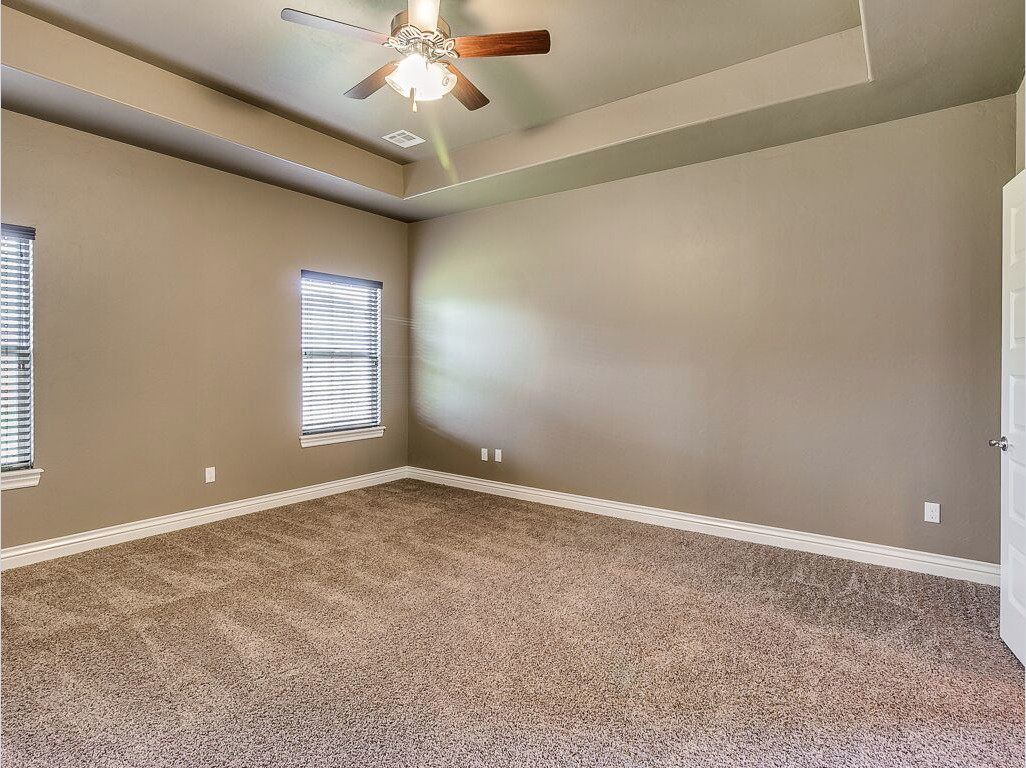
25 474
311 437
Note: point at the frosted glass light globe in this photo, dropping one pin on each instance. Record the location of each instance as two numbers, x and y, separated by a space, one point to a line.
429 81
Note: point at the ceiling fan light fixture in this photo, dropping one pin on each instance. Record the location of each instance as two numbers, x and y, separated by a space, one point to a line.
424 39
428 80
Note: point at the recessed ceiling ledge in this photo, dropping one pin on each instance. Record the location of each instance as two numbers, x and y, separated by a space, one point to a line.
45 51
826 64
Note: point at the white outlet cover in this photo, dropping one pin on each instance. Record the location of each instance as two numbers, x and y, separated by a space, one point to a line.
498 454
484 454
209 474
931 512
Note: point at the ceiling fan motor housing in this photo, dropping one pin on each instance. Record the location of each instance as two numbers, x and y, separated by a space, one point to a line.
402 19
407 39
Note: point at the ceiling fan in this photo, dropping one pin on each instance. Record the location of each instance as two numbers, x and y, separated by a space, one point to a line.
424 40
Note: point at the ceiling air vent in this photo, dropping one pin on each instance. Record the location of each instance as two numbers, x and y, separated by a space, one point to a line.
404 139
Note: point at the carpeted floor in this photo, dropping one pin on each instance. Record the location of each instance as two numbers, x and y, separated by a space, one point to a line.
416 625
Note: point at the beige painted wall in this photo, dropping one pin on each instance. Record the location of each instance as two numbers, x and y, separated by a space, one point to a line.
167 329
805 336
824 359
1020 111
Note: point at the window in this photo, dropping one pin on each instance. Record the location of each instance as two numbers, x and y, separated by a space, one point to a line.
16 355
341 359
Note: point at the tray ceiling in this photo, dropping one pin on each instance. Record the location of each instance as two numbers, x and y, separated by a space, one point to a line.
602 51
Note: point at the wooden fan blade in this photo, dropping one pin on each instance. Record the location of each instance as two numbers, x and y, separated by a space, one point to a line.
504 44
466 92
319 22
371 83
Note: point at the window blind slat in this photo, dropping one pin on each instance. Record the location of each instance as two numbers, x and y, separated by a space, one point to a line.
341 360
16 347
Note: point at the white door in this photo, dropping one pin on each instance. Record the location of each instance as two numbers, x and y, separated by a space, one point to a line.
1013 421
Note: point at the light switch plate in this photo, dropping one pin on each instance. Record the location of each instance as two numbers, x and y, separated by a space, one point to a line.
484 454
931 512
498 454
209 475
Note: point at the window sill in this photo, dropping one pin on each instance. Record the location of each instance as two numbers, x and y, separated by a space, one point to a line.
345 436
19 478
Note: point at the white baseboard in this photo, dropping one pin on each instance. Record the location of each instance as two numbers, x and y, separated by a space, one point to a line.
849 549
25 554
864 552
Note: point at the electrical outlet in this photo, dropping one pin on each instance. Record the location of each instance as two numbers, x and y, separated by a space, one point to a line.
931 512
208 475
484 454
498 454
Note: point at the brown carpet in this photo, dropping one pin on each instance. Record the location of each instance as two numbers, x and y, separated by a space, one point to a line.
417 625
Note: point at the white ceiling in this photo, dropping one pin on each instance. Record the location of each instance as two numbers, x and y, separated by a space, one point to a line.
602 51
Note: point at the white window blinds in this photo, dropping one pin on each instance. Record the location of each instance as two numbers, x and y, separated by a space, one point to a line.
16 346
341 353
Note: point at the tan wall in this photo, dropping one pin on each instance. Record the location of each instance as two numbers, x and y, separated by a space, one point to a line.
1020 111
804 337
167 329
